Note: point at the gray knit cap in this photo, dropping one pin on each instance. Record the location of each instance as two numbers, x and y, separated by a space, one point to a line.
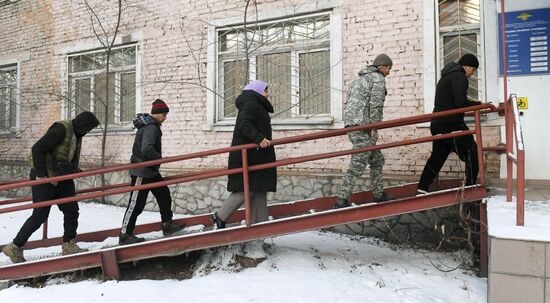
382 59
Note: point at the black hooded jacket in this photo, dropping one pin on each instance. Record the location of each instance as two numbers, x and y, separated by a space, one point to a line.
147 145
451 93
82 124
252 126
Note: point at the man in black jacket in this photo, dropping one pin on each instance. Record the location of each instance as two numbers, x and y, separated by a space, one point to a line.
56 153
148 146
451 93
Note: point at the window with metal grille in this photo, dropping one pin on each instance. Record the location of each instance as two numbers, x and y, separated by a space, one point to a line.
8 97
91 89
292 55
459 34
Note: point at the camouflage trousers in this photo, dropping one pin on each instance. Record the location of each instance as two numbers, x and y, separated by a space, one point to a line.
358 163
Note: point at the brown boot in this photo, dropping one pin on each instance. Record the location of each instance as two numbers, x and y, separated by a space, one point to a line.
14 252
69 248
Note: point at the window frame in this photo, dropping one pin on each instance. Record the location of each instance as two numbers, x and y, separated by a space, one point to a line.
487 53
70 110
13 130
333 44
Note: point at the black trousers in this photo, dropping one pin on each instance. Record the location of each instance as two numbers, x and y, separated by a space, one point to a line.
139 198
45 192
464 146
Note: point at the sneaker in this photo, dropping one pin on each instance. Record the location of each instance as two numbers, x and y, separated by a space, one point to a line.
383 198
69 248
14 252
220 224
420 192
341 203
171 227
125 239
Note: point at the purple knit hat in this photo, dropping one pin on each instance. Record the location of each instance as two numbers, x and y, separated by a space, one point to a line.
257 86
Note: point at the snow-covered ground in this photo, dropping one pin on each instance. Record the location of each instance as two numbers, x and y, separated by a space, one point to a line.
502 220
307 267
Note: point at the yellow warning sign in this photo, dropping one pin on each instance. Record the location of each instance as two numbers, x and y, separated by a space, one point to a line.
523 102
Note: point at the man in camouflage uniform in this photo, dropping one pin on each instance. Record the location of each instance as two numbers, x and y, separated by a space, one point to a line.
365 105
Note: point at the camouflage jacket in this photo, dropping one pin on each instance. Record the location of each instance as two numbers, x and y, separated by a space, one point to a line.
366 98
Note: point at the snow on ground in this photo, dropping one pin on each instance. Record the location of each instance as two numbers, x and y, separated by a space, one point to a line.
306 267
502 220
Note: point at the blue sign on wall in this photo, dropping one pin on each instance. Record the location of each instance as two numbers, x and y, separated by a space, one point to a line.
527 38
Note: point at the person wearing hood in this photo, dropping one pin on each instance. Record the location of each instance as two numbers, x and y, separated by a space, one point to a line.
366 105
148 146
56 153
451 93
253 125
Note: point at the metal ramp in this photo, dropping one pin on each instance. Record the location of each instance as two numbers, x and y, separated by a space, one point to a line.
289 218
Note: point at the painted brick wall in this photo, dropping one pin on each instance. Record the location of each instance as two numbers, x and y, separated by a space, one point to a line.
174 67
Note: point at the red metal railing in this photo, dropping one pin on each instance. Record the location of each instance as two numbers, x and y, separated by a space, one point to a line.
121 188
513 131
400 207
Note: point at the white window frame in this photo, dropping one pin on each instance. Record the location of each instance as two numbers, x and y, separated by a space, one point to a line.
487 52
7 62
118 125
326 121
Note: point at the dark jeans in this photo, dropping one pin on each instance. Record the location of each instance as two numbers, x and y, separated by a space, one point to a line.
45 192
464 146
139 198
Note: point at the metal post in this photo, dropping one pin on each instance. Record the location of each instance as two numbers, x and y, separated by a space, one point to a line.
520 190
503 46
483 237
479 148
45 230
245 185
507 108
509 124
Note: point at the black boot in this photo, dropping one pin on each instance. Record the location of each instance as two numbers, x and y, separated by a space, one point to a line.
125 239
171 227
383 198
216 220
341 203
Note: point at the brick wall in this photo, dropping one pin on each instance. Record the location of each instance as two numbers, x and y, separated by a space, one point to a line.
174 65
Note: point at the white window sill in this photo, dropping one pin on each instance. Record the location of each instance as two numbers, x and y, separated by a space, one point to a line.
286 124
113 130
10 134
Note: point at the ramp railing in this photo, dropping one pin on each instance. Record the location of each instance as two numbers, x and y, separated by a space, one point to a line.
93 193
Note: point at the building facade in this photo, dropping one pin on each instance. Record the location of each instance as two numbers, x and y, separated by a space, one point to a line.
197 55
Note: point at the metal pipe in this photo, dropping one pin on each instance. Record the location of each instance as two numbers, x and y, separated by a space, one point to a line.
479 149
293 139
520 190
101 188
483 241
219 173
244 153
509 151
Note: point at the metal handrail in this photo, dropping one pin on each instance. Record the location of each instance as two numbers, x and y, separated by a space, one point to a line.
216 173
293 139
514 131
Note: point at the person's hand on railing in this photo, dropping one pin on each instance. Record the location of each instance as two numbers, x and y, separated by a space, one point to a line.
265 143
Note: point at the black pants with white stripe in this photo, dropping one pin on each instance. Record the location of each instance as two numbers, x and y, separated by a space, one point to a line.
139 198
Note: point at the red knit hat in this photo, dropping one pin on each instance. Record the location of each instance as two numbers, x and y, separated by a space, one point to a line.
159 107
